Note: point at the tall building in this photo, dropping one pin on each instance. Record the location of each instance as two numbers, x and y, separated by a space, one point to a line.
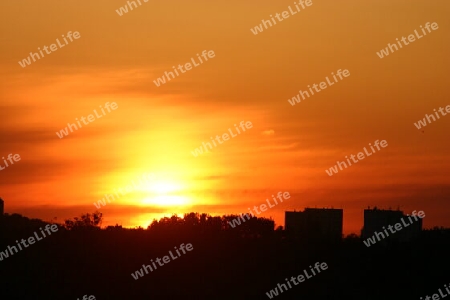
375 219
2 207
315 223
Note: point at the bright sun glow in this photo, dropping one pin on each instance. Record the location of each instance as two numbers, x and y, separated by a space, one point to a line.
164 187
161 187
163 192
166 200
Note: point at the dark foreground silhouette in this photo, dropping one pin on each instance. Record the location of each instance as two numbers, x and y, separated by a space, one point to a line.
244 262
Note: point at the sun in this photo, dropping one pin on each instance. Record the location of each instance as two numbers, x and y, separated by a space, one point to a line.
163 187
164 193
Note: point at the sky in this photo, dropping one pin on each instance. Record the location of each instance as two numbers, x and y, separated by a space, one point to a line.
154 130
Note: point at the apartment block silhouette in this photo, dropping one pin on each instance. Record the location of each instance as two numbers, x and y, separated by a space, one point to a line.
376 220
324 224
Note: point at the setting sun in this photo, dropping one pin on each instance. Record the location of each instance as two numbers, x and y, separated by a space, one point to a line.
162 187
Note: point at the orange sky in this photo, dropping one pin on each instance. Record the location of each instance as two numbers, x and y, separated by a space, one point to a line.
154 129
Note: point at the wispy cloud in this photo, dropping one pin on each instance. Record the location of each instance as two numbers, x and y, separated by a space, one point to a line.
268 132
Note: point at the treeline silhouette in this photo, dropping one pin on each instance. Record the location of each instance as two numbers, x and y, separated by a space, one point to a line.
243 262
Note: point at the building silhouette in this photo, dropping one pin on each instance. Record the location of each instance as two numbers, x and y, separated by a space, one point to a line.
323 224
377 220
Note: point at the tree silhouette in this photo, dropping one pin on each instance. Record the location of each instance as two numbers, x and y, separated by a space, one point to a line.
85 222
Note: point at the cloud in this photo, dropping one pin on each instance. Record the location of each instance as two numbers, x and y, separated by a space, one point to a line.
268 132
279 147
